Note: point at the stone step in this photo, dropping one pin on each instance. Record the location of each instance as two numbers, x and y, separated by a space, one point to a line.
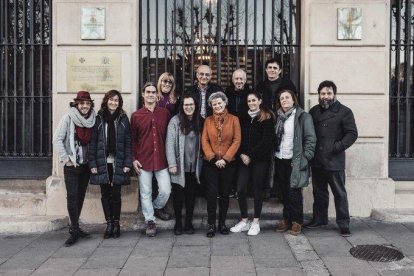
404 186
394 215
20 186
31 224
22 204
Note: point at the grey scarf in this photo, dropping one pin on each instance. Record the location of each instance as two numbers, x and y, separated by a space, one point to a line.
81 121
280 122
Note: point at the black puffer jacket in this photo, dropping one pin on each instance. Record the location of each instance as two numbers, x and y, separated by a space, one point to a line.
257 138
97 155
237 100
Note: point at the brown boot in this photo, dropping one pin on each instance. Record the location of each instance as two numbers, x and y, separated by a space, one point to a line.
295 229
282 226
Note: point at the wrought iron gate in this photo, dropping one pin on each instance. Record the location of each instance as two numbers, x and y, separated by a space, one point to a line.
178 35
25 88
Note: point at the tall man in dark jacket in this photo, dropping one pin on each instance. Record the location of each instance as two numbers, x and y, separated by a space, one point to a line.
237 94
335 131
203 89
270 88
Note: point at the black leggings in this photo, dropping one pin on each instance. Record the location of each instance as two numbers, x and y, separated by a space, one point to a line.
256 173
111 197
185 194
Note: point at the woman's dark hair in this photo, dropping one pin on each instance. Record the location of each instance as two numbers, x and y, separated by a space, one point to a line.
292 94
110 94
187 125
265 113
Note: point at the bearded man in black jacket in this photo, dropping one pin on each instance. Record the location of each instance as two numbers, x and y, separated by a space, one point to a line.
335 131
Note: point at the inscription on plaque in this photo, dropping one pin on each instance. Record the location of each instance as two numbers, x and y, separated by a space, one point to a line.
93 72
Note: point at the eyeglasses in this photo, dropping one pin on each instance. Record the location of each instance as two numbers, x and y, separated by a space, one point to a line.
204 74
167 82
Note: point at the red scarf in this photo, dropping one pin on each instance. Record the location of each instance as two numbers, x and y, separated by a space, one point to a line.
83 134
219 122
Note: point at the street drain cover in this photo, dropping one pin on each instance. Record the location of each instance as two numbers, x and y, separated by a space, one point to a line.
376 253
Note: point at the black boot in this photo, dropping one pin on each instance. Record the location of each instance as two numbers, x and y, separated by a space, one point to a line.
74 236
189 228
109 231
116 229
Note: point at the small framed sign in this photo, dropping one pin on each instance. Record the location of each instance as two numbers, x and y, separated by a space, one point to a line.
349 23
93 23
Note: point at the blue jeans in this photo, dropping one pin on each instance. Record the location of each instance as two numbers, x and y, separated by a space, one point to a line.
145 186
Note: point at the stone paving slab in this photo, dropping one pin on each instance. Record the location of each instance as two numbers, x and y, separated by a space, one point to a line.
16 272
331 246
284 271
190 256
10 245
59 266
232 265
144 266
348 266
97 272
108 257
199 271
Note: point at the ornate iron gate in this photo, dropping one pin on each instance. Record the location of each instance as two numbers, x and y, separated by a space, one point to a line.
178 35
25 88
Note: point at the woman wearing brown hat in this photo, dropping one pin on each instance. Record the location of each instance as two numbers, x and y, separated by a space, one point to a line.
71 140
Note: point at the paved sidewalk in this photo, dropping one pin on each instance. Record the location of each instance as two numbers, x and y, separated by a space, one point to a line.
315 252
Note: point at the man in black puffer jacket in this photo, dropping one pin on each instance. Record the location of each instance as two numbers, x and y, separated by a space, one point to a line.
335 131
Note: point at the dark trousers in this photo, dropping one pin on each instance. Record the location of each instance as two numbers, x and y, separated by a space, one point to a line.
256 174
336 180
291 197
218 182
76 182
111 197
185 194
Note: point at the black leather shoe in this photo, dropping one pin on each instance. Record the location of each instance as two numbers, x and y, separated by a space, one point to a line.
74 237
189 228
83 234
314 224
345 232
162 214
117 229
224 230
109 231
211 231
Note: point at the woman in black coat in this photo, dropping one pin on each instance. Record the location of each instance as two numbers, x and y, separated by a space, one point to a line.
255 151
110 158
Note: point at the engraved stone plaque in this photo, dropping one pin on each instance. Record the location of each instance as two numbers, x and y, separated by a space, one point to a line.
349 23
93 23
93 72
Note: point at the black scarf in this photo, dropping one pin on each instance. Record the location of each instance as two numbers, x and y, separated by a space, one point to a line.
280 122
111 134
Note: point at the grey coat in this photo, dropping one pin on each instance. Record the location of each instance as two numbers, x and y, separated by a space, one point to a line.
175 152
304 142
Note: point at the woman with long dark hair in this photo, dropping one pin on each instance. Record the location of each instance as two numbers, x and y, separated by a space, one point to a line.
257 129
295 146
184 162
110 158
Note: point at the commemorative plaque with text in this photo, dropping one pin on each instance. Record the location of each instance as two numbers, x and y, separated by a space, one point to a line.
93 72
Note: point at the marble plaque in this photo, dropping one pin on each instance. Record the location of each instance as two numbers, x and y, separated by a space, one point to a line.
349 23
93 23
93 72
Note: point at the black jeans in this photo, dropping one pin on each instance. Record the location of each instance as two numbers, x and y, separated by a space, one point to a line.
291 197
336 180
76 182
185 194
255 173
218 182
111 197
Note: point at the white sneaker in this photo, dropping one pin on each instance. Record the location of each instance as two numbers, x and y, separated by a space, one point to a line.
241 226
254 229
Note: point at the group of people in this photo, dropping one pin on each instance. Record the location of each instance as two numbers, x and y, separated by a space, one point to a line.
220 138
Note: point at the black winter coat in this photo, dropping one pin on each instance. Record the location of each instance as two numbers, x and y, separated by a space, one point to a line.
270 100
335 132
210 90
237 104
97 152
257 138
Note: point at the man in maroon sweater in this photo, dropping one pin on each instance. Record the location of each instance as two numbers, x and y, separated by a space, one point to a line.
148 130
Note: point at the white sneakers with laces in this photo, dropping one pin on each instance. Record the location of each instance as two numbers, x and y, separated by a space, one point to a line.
254 229
241 226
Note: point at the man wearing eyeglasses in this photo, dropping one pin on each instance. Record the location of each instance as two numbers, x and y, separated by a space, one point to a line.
148 135
203 89
271 86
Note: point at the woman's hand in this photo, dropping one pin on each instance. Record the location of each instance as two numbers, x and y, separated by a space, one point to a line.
173 170
126 169
94 171
246 159
137 167
221 164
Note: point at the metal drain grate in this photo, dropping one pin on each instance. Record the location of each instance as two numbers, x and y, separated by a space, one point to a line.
376 253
